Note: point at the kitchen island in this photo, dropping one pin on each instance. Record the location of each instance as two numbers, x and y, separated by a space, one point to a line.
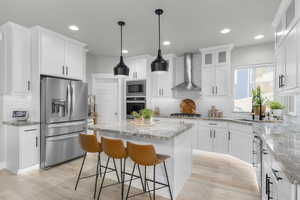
169 138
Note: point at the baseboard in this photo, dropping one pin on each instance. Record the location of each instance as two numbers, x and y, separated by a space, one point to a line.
23 171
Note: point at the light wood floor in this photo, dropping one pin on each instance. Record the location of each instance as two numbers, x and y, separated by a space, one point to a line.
214 177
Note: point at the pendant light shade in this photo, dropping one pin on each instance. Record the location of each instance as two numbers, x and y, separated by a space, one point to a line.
159 64
121 69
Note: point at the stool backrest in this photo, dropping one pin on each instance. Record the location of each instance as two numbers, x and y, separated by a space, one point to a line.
89 143
113 148
142 154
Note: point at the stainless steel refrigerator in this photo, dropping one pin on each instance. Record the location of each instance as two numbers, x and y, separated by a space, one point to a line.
64 110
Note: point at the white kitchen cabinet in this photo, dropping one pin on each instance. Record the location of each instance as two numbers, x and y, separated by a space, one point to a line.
205 139
216 67
138 66
240 139
208 81
22 147
162 83
58 55
220 140
15 59
212 136
222 81
291 60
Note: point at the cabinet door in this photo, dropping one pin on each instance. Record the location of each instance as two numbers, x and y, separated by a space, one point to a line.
52 54
19 60
220 144
205 138
291 60
221 57
240 145
29 147
208 59
74 60
208 81
222 81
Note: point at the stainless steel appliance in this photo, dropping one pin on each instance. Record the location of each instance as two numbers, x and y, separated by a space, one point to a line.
136 88
134 104
64 110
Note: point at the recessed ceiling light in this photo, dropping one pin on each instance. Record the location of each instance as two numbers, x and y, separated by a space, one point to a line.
225 31
74 28
124 51
258 37
166 43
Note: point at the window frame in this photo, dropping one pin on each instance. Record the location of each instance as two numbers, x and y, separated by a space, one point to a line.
253 66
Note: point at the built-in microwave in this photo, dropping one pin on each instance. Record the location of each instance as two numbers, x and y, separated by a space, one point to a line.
136 88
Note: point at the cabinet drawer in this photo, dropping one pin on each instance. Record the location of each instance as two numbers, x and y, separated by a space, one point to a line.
212 123
240 128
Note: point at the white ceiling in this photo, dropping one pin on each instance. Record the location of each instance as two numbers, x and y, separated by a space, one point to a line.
188 24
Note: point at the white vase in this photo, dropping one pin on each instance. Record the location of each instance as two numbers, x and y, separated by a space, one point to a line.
277 112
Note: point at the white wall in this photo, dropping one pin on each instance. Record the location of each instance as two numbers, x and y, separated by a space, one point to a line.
254 54
99 64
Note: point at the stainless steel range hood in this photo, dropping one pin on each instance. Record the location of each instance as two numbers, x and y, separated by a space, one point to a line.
188 84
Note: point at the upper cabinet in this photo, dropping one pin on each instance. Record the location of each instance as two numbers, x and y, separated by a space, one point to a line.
15 59
138 66
162 83
287 31
58 55
216 68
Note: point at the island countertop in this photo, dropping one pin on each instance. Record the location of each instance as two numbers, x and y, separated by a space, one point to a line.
156 130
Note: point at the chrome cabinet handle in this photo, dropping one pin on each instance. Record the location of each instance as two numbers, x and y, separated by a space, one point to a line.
63 70
28 85
36 142
278 178
210 133
229 135
214 133
67 70
213 90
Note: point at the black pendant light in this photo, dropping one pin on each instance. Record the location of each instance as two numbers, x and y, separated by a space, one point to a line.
159 64
121 69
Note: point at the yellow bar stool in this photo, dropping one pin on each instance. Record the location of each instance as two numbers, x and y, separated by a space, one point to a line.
146 156
89 144
115 150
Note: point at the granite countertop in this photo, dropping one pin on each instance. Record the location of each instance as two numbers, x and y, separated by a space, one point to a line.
20 123
283 142
157 130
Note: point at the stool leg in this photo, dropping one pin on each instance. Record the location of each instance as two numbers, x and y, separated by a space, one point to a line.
168 181
80 171
124 173
100 170
106 166
122 180
144 187
97 175
146 183
130 180
116 170
154 179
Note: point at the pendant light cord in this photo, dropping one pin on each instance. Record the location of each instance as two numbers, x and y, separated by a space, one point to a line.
121 40
159 31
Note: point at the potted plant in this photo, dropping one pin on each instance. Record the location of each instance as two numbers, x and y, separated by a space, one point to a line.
257 101
143 115
147 114
276 108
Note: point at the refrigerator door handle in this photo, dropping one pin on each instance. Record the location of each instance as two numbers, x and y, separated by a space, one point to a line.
72 99
69 99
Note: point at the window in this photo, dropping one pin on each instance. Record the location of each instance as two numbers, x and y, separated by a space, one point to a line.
248 78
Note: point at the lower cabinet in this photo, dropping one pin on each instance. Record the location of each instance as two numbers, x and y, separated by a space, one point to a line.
22 147
212 136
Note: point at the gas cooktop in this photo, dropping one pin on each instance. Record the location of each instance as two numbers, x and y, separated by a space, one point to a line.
185 115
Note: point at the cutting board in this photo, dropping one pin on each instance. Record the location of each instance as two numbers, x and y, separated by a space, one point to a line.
187 106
